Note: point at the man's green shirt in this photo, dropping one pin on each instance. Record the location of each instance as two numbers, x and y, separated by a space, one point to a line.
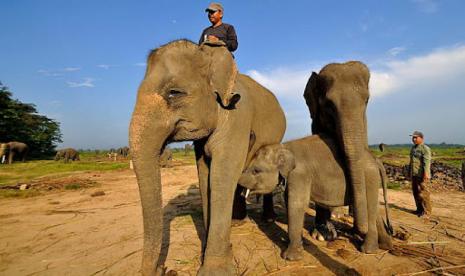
420 160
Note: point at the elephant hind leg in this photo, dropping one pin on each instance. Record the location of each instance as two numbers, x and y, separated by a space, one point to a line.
384 239
269 214
239 206
324 229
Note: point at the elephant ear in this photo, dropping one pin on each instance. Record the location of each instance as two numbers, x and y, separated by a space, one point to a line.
313 94
222 73
285 162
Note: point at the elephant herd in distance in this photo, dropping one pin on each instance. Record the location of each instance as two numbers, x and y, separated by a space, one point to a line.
195 93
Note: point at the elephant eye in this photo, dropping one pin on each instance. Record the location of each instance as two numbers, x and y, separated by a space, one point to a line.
256 171
176 92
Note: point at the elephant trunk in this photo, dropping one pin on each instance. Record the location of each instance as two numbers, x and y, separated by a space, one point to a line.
147 135
353 147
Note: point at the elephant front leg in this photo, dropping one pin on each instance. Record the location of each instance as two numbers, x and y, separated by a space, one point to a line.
11 157
224 174
203 171
297 201
370 242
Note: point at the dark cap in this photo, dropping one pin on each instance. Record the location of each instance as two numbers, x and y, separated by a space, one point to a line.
417 133
214 7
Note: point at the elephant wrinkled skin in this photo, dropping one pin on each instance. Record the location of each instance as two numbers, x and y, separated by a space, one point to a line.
13 149
179 99
315 171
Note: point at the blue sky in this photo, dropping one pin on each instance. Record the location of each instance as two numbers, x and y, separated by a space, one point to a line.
81 61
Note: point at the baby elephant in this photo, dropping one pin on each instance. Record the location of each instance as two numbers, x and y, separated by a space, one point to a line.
314 170
67 154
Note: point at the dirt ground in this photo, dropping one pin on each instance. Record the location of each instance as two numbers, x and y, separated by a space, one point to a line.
98 231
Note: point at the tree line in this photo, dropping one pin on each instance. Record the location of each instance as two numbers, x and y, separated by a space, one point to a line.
22 122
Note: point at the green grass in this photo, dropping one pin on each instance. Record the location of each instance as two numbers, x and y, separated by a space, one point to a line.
24 172
19 172
400 155
188 159
394 186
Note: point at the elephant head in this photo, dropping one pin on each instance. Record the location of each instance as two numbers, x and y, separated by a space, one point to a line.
269 162
3 149
337 98
175 102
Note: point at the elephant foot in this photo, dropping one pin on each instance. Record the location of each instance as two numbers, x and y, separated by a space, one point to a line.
384 239
324 232
385 243
217 266
293 253
370 244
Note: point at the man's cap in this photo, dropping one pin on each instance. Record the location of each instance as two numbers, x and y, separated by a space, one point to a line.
417 133
214 7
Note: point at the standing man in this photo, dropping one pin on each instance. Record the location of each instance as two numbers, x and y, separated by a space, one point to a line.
420 173
219 31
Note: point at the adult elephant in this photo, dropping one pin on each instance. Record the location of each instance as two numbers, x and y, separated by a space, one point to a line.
11 150
166 157
337 98
67 154
180 99
123 151
382 147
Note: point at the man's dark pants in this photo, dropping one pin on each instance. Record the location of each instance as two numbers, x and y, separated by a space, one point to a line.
421 195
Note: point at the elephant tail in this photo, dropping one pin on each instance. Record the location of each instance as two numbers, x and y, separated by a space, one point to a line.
382 173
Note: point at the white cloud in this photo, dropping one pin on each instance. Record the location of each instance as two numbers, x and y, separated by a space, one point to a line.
426 6
48 73
106 66
140 64
71 69
87 82
284 82
395 51
429 71
58 73
426 72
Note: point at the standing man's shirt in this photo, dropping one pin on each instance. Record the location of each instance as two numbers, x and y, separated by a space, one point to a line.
224 32
420 161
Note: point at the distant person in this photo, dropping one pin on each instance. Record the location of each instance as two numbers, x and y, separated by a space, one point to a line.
219 31
420 173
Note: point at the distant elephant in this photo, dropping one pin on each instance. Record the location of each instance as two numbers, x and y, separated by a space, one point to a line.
187 149
337 98
314 170
180 99
11 150
67 154
166 157
382 147
123 151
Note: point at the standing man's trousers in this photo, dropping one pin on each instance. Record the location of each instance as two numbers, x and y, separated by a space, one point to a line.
421 195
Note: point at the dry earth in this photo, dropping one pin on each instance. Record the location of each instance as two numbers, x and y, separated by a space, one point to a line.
87 233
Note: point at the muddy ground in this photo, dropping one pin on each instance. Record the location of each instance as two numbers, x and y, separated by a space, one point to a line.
98 231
